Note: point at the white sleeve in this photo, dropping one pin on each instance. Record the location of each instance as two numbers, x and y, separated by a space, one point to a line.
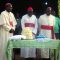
36 26
3 19
22 23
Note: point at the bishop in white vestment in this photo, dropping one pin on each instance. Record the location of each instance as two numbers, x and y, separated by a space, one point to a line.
46 27
7 26
29 20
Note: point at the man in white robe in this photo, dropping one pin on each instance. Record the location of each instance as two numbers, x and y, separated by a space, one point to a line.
46 27
29 20
7 27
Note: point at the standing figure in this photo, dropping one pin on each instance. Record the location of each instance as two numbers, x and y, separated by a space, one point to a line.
7 27
29 20
46 27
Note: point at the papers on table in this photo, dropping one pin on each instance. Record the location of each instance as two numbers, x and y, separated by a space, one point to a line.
16 37
42 38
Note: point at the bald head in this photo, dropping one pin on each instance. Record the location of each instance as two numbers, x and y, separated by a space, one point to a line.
8 7
48 10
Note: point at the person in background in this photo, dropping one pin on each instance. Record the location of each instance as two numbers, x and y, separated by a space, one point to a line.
29 20
17 31
56 25
18 26
7 27
46 25
59 27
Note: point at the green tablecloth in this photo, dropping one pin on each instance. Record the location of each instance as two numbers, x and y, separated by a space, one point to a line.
52 44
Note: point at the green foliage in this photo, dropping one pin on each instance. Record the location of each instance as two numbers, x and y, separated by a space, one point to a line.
59 8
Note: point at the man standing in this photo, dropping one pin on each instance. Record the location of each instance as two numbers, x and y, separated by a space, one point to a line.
18 26
29 20
46 25
7 27
56 27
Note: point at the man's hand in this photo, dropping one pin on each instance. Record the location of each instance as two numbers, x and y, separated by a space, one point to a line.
34 34
11 31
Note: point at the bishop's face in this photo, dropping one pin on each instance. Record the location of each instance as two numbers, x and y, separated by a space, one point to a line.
30 13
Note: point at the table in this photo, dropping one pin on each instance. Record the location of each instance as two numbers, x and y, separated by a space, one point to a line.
52 44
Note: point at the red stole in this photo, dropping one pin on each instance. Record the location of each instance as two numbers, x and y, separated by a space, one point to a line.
29 25
11 23
46 27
